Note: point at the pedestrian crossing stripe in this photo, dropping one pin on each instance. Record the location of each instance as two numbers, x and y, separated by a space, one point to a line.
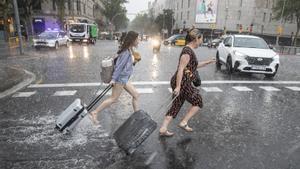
150 90
144 90
242 88
211 89
24 94
269 88
294 88
65 93
139 90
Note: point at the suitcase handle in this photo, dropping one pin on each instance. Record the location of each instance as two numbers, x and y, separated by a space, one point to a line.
162 107
92 104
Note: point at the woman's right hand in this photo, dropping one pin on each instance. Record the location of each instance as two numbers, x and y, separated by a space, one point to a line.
112 82
176 91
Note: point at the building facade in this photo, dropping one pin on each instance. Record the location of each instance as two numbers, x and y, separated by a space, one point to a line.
255 16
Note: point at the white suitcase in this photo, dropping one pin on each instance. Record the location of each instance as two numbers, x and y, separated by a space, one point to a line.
71 116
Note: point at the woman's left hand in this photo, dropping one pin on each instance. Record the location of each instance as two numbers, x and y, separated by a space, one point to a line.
213 60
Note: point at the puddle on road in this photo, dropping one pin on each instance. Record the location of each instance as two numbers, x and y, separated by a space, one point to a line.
40 130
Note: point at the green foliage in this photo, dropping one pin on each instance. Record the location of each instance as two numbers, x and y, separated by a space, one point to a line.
115 12
164 20
291 10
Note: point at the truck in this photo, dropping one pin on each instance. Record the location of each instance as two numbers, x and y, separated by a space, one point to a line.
83 32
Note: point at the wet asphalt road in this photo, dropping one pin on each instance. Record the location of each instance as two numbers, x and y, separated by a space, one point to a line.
258 128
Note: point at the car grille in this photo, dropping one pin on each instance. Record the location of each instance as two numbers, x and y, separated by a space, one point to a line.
76 36
41 43
258 61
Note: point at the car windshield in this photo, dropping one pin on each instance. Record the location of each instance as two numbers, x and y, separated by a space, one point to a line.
172 37
245 42
77 28
48 35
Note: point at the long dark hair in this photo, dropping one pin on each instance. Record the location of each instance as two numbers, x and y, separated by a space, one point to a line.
128 41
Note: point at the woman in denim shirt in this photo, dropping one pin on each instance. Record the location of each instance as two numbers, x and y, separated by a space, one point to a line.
120 79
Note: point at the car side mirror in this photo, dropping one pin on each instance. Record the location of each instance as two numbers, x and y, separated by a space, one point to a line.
271 47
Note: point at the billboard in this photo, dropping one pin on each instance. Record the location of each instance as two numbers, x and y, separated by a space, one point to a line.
206 11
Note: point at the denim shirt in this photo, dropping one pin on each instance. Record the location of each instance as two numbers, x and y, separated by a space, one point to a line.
123 66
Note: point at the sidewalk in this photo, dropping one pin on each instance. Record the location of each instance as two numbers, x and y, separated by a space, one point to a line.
13 79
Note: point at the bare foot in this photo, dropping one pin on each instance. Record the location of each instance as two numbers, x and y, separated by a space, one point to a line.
185 127
93 117
165 133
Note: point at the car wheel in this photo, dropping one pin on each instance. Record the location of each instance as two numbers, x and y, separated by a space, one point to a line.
218 63
229 65
272 75
56 45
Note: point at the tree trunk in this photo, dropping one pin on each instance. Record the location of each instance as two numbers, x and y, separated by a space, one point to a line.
26 29
30 25
6 34
298 27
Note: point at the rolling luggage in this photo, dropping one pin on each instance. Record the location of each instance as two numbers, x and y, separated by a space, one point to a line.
71 116
136 129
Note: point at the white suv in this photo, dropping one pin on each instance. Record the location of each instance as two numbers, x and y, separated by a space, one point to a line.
247 53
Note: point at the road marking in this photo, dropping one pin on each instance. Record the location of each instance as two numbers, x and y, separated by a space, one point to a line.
100 91
211 89
269 88
65 93
158 83
144 90
242 89
24 94
294 88
139 90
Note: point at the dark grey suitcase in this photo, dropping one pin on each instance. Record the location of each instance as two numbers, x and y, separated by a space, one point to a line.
135 130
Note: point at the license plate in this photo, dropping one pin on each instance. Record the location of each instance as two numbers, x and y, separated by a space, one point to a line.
259 67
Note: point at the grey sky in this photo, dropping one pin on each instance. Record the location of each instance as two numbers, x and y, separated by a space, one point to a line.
136 6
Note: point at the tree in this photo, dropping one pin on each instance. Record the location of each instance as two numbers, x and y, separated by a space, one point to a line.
165 20
26 10
291 10
6 8
115 12
61 12
140 22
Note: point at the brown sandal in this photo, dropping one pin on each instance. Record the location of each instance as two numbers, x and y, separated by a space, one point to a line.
185 127
166 134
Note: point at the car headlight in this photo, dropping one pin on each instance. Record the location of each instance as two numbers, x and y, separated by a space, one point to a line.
276 58
239 54
155 43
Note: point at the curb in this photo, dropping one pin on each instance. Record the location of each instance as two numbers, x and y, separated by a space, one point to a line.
20 85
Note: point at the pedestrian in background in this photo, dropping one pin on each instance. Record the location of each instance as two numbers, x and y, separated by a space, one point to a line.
181 83
123 69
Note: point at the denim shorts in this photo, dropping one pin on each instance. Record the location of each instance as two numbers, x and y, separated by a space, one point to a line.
122 79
